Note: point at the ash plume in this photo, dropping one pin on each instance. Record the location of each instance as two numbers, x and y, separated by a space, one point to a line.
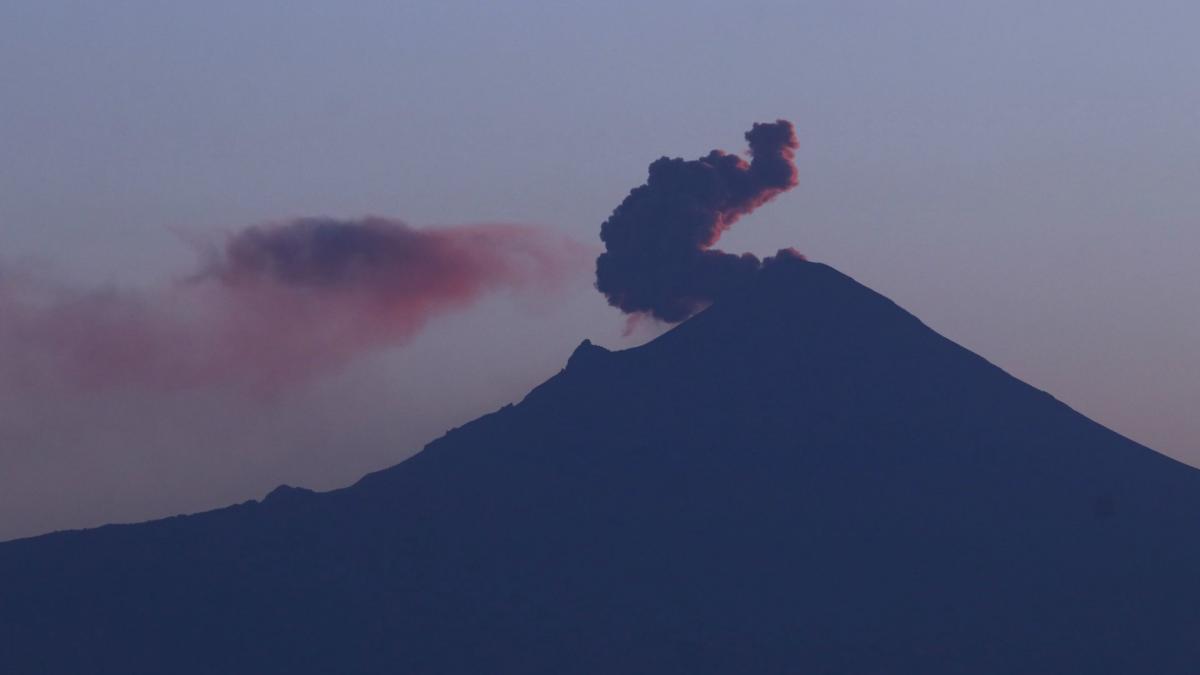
276 303
659 258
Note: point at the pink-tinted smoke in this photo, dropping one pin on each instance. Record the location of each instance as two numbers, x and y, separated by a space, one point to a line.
278 303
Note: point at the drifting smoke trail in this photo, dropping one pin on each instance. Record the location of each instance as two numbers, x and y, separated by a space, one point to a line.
658 259
278 303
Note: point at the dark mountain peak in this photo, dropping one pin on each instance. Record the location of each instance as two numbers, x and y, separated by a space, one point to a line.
801 478
586 354
797 325
285 493
790 298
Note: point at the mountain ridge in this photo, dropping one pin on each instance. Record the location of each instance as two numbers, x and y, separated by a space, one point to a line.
801 477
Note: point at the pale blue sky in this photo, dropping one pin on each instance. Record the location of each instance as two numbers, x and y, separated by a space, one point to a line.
1021 175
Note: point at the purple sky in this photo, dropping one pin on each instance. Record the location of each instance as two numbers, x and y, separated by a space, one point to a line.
1020 175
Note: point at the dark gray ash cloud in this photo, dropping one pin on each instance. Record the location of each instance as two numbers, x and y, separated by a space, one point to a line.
659 258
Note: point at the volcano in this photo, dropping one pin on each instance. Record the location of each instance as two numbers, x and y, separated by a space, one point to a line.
802 478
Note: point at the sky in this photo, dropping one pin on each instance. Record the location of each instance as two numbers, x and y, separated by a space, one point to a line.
1021 176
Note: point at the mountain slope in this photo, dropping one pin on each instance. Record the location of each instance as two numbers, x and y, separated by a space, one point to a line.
803 478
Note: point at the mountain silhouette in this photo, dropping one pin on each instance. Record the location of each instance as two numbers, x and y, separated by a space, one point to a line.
802 478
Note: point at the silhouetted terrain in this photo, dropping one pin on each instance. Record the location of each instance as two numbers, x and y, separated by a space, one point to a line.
801 479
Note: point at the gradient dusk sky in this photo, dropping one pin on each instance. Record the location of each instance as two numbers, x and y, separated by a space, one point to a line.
1022 176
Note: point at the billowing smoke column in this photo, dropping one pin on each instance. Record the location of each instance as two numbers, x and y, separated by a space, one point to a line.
277 303
658 258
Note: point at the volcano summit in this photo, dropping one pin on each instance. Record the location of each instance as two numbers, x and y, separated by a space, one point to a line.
802 478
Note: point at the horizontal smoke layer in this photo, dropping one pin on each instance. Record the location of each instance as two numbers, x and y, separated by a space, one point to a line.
658 258
277 303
